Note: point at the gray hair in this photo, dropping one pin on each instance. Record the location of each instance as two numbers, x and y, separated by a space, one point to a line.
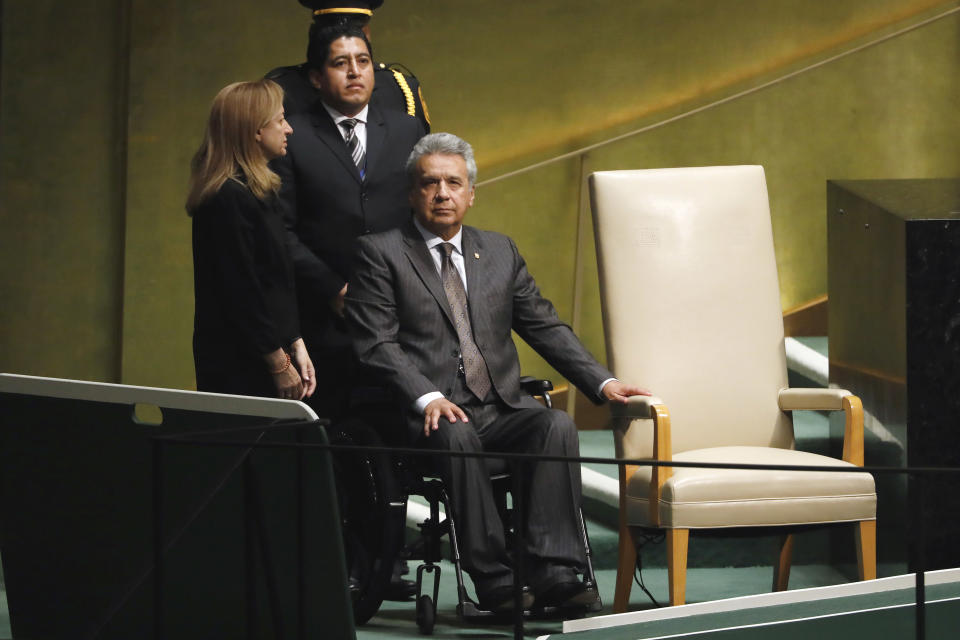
445 144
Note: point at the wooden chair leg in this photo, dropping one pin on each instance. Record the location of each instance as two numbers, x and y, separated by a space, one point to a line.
867 549
626 566
677 543
781 570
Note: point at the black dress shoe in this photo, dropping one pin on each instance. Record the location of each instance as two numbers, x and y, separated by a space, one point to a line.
565 594
400 590
500 599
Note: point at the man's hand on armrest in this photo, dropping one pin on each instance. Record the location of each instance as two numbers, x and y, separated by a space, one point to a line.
616 391
437 408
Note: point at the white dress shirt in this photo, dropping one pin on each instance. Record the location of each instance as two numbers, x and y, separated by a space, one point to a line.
360 129
456 256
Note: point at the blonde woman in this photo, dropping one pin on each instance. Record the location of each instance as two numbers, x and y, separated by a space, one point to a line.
246 338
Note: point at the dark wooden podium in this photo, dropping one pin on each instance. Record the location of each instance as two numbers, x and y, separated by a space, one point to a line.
894 335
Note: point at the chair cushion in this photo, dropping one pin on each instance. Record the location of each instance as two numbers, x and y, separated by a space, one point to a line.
714 498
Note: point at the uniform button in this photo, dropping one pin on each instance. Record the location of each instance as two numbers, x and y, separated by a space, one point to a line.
366 231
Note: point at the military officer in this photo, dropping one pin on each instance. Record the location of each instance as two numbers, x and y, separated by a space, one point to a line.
395 88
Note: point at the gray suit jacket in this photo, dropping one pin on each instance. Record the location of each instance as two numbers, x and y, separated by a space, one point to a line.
403 328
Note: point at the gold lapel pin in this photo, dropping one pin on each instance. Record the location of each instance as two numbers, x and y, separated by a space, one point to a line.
476 255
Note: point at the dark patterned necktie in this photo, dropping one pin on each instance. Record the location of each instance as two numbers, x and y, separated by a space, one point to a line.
353 144
474 366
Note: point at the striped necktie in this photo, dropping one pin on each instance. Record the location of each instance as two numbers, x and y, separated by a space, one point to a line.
474 366
353 144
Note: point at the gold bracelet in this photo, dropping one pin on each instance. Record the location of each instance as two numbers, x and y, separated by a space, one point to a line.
286 364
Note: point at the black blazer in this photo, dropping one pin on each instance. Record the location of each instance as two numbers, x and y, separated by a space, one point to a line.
245 303
327 206
404 331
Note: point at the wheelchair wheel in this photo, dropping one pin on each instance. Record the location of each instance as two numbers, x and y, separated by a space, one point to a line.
372 516
426 615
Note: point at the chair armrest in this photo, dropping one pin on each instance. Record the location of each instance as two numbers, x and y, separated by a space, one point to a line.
535 386
831 400
811 399
637 407
662 450
647 407
853 430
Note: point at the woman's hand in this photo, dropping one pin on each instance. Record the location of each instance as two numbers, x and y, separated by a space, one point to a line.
286 378
301 359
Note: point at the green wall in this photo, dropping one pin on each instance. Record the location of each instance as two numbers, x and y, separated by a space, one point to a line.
61 216
102 105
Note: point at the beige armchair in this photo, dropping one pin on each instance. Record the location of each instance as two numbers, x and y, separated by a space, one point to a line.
691 310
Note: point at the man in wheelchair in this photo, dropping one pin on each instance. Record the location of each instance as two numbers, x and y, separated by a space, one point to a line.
431 308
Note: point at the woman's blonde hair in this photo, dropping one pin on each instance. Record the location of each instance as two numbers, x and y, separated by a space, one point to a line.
230 148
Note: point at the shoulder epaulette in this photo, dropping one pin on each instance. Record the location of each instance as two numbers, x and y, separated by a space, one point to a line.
407 93
397 71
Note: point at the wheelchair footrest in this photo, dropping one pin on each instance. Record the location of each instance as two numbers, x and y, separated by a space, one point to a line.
469 611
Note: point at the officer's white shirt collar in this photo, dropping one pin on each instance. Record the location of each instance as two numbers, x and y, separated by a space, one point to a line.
361 118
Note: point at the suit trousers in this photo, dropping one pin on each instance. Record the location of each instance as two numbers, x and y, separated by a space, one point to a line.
552 539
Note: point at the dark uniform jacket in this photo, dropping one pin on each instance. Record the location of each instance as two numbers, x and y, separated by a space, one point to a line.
327 206
395 88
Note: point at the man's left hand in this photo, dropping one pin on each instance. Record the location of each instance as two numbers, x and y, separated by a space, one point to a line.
616 391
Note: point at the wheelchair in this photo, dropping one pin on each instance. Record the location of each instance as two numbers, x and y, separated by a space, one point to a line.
373 489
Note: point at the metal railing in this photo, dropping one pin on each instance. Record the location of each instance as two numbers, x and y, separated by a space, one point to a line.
162 542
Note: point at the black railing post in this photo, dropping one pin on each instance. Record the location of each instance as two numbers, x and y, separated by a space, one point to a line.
920 555
301 574
263 545
250 550
158 578
518 555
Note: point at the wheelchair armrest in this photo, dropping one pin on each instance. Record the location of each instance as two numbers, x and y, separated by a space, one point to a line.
534 386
